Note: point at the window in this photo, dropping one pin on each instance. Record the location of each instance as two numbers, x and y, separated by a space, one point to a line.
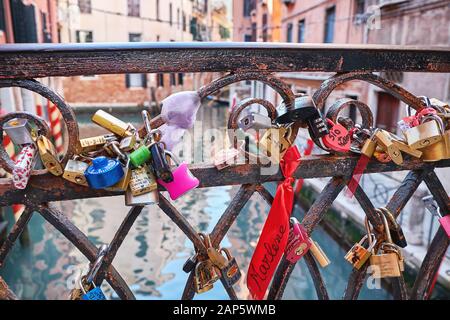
301 31
160 80
249 5
184 21
173 79
170 14
134 8
181 79
330 16
178 18
157 9
264 25
2 17
135 80
85 6
359 6
290 27
254 32
84 36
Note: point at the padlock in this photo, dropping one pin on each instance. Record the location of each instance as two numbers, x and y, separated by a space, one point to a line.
205 276
49 156
386 263
142 181
425 134
127 144
255 121
404 147
94 293
275 142
93 143
225 158
183 179
24 164
397 235
384 140
298 241
160 164
122 185
141 200
432 207
389 247
103 172
190 263
213 254
304 110
441 149
140 156
231 272
112 124
74 172
19 131
358 255
338 139
369 146
319 254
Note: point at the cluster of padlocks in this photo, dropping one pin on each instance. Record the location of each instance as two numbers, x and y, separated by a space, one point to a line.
125 161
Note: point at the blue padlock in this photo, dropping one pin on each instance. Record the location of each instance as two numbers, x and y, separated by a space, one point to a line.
94 294
103 172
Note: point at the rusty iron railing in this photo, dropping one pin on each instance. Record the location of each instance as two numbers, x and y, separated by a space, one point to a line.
21 64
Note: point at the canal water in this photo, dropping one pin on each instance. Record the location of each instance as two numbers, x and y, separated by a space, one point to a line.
151 257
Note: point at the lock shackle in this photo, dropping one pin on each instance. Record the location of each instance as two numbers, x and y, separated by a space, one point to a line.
206 239
227 253
92 274
82 278
146 119
424 99
387 231
370 239
174 159
391 218
115 147
435 117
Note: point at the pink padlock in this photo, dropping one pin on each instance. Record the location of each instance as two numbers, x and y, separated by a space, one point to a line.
338 139
183 179
23 166
433 207
298 242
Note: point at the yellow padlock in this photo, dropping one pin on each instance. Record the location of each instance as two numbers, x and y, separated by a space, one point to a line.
439 150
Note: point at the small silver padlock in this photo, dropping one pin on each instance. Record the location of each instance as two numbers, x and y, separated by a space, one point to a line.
19 131
141 200
255 121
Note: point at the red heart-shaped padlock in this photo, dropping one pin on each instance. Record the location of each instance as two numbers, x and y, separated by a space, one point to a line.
338 139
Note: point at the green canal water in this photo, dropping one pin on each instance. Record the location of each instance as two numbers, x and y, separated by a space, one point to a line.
151 257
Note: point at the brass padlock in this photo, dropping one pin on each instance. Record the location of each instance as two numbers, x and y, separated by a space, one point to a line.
275 142
49 156
205 276
369 146
93 143
74 172
384 140
319 254
425 134
439 150
214 254
112 124
142 181
358 255
127 144
386 262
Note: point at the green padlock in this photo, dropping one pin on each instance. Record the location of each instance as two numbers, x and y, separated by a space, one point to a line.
140 156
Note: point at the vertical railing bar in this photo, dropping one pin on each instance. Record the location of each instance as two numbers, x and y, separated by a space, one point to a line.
15 233
117 241
58 220
439 245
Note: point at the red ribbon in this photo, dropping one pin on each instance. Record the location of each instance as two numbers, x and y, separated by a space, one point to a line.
273 240
356 176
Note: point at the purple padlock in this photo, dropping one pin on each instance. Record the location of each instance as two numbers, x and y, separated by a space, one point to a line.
298 242
183 179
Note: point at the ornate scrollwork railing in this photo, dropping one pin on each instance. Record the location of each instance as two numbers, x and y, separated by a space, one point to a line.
21 64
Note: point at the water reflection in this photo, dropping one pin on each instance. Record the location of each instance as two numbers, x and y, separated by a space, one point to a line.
152 255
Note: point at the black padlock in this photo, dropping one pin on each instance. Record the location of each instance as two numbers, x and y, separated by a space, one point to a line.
397 235
304 110
190 263
230 273
160 164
